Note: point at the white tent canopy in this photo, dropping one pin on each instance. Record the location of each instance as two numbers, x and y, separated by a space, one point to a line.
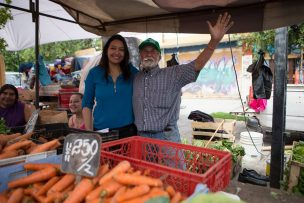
19 33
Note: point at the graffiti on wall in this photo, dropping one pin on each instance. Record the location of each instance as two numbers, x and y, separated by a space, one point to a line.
216 79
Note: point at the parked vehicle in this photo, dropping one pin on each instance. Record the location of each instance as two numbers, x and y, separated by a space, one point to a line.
14 78
294 109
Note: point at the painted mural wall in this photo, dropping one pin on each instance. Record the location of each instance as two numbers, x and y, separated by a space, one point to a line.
217 79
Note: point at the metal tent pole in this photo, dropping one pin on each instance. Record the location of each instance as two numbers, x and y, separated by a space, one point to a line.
279 107
35 7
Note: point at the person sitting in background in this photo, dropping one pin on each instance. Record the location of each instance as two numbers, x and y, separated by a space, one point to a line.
75 105
14 112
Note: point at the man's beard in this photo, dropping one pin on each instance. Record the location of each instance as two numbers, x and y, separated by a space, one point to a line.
148 63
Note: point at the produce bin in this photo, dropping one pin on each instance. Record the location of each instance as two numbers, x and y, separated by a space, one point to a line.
197 164
13 172
50 132
64 97
57 130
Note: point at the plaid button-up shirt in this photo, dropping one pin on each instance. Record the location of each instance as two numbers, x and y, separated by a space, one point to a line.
157 96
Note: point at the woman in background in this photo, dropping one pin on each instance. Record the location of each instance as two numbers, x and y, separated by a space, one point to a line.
76 120
14 112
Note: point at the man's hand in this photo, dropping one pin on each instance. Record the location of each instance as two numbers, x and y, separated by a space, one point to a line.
222 25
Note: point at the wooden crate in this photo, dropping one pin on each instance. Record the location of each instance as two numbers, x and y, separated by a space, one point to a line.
204 130
295 168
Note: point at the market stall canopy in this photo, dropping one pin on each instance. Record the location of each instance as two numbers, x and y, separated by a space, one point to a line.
181 16
19 33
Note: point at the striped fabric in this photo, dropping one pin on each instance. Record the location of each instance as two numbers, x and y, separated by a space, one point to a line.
157 96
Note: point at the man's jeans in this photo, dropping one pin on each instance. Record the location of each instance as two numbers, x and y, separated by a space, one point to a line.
166 156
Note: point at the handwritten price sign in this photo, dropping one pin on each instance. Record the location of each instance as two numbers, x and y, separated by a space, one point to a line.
81 154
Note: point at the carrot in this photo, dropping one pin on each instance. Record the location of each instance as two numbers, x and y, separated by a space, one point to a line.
48 185
37 197
55 197
41 175
42 139
58 144
130 170
97 200
123 166
63 183
170 190
110 188
37 186
137 173
6 138
3 196
27 191
94 193
147 172
119 192
101 172
154 192
134 192
176 198
81 190
31 147
44 147
16 196
68 189
19 138
18 145
8 154
40 166
130 179
27 199
100 200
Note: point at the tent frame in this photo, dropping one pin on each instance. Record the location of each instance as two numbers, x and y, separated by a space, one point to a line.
279 88
34 9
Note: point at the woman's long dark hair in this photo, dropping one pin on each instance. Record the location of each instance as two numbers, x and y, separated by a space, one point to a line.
124 64
11 87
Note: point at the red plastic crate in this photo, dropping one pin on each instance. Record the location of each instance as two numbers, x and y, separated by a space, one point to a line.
64 97
202 165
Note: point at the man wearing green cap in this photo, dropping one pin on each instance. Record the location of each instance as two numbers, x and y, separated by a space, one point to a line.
157 92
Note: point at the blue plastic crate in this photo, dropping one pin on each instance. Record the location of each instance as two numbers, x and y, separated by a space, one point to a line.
13 172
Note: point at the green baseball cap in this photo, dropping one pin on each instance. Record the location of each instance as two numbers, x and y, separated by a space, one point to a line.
149 42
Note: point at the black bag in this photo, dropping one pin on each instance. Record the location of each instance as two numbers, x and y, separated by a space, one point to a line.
173 61
200 116
261 78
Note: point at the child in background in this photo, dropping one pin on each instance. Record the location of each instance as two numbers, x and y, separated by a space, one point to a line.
75 105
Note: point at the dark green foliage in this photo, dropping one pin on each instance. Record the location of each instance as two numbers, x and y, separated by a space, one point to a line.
298 152
3 128
50 52
5 15
224 145
224 115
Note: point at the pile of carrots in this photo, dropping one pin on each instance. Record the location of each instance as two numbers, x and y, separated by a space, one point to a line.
17 144
121 184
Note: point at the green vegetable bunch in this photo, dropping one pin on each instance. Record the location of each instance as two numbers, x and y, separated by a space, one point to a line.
299 188
3 128
298 152
224 145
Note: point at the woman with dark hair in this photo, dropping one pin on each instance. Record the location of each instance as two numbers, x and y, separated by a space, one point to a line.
14 112
109 86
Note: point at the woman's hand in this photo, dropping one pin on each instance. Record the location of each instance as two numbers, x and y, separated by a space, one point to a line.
222 25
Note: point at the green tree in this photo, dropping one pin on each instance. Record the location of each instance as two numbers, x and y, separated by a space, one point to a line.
265 40
5 15
49 51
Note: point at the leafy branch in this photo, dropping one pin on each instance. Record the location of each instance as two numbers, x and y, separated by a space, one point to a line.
5 15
